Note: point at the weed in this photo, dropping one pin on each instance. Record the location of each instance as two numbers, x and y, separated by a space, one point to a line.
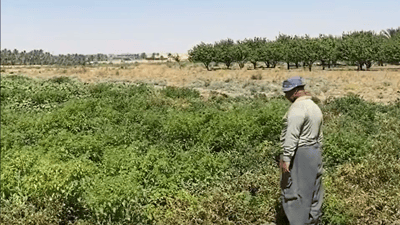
387 84
256 76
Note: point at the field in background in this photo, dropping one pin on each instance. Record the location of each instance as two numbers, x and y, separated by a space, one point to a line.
380 84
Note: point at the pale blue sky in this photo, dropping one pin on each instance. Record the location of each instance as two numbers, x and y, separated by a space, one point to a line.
122 26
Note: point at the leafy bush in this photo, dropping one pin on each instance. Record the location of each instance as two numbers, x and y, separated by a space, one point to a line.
174 92
27 94
126 153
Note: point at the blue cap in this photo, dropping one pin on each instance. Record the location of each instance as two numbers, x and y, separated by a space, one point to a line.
292 82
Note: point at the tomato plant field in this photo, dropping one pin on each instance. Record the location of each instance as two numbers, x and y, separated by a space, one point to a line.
76 152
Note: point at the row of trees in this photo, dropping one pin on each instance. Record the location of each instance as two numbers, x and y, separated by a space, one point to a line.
361 48
39 57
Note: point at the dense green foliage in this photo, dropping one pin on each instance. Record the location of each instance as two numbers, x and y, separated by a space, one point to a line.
204 53
39 57
391 49
115 153
225 51
360 48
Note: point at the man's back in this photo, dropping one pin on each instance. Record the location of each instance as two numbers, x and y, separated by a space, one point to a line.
302 125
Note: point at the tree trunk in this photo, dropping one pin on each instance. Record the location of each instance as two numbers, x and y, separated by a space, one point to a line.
309 66
267 64
297 64
288 66
368 64
207 65
359 66
329 64
255 64
323 64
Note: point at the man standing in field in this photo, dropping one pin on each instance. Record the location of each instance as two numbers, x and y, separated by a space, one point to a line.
301 163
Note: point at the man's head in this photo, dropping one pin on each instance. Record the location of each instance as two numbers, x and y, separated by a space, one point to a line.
293 88
296 92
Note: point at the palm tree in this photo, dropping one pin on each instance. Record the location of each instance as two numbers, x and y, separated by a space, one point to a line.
387 35
391 32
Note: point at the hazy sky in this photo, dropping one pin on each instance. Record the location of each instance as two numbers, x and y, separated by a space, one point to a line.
129 26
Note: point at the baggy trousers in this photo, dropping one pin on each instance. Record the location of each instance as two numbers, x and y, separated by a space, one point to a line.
302 191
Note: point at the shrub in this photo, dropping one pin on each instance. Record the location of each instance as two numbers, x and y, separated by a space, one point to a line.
174 92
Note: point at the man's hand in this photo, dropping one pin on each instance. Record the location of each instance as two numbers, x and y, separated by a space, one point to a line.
284 166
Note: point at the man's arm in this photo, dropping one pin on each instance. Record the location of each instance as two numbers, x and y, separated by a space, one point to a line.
295 121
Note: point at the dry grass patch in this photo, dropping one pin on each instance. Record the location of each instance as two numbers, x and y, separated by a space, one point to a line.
381 84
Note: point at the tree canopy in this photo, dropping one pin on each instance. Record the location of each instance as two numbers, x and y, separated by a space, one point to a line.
359 48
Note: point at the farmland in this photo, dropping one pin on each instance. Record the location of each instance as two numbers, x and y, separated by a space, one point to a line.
170 144
380 84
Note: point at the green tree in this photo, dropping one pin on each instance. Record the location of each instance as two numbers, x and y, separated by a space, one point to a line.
310 50
240 53
271 52
389 41
255 49
295 48
204 53
285 44
391 49
381 54
224 52
360 48
328 51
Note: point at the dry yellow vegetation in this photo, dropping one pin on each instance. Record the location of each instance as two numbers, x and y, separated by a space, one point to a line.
380 84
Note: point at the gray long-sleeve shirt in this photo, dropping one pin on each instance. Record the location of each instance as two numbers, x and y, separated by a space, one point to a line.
302 126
